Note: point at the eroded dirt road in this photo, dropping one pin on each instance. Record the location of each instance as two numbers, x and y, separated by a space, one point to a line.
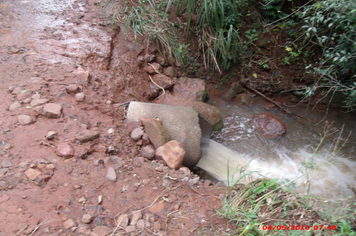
51 51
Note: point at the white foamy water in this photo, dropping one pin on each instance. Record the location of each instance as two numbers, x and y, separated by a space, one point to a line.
331 179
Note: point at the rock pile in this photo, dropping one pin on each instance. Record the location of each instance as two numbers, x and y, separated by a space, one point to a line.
160 144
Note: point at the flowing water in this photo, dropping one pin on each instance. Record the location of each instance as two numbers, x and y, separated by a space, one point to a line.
291 158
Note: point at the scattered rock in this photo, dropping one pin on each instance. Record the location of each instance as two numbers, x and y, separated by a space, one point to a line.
87 135
194 89
32 173
172 153
156 226
16 90
72 88
27 101
51 135
136 215
245 99
235 89
52 110
25 119
170 71
87 218
38 102
111 175
137 133
150 70
6 164
158 207
36 96
101 231
140 224
161 60
37 80
65 150
3 171
130 228
163 81
123 220
156 133
269 125
79 97
14 106
148 152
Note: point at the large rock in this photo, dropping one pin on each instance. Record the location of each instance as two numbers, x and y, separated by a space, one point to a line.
182 124
172 153
194 89
269 125
234 90
156 133
52 110
209 113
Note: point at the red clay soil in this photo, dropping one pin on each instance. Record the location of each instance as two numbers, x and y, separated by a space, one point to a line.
49 52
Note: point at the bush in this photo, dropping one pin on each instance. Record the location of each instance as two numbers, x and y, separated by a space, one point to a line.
331 26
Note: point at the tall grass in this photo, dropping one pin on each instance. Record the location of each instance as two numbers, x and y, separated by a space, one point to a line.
217 28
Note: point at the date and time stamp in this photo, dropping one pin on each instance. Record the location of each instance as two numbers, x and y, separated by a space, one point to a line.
298 227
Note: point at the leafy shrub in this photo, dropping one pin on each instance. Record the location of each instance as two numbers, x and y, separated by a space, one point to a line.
331 25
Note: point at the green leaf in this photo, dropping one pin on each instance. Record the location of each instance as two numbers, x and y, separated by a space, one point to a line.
272 182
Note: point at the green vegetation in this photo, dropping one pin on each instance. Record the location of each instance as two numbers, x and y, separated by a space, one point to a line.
318 36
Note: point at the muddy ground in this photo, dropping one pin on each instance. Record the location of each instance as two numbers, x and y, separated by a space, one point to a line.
49 52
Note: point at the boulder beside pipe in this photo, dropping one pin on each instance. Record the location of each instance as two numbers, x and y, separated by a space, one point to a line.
182 124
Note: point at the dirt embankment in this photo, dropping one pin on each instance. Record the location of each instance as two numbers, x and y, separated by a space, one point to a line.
59 72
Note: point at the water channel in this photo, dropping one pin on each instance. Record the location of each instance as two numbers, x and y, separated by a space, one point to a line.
291 158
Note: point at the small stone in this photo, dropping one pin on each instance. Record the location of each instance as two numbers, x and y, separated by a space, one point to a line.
36 96
52 110
185 171
156 226
69 224
14 106
32 173
51 135
137 133
170 71
101 231
24 119
130 228
87 218
172 153
159 206
163 81
72 88
50 167
111 175
38 102
6 164
3 171
65 150
140 224
87 135
16 90
27 101
36 80
148 152
123 221
150 70
79 97
136 215
157 134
